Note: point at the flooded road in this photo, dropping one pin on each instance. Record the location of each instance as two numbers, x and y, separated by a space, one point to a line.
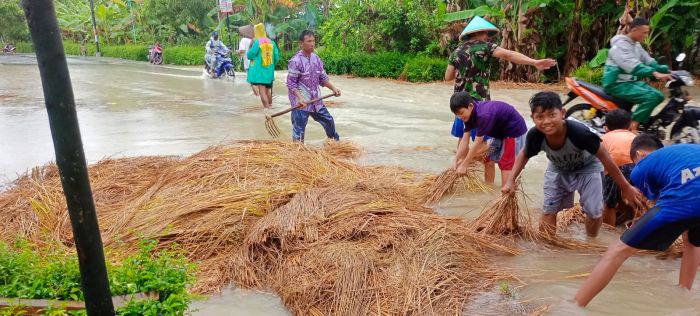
129 109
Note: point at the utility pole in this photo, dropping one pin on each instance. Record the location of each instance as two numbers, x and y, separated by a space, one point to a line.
94 29
70 156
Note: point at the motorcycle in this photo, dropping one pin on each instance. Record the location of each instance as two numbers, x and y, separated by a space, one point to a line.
684 117
155 55
225 66
9 48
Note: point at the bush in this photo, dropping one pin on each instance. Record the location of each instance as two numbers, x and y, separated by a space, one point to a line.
183 55
393 65
425 69
27 273
586 73
24 47
285 56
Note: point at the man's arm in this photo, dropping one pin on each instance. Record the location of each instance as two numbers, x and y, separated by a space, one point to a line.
450 73
518 58
330 85
630 194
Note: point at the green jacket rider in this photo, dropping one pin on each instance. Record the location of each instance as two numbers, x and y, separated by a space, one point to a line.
628 62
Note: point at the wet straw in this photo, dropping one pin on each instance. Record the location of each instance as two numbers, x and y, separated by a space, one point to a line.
270 125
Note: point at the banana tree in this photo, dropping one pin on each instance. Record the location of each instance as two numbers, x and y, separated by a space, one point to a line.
73 18
518 30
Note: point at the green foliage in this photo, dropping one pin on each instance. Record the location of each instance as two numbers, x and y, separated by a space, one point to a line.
599 59
425 69
183 55
386 65
592 75
29 273
285 56
24 47
13 27
479 11
382 25
131 52
174 20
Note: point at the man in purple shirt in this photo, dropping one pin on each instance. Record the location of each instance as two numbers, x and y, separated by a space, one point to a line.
306 76
498 120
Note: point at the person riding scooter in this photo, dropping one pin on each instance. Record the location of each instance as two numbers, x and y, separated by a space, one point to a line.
214 46
628 62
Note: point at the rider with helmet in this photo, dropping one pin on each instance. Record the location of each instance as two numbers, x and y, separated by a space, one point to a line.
214 46
628 62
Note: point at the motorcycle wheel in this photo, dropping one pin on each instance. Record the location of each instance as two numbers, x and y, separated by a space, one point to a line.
158 59
582 111
230 73
687 135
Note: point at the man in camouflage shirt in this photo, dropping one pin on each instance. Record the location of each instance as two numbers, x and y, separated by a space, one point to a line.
472 62
469 65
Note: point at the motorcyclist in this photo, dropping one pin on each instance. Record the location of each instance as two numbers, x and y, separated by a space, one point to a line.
628 62
214 46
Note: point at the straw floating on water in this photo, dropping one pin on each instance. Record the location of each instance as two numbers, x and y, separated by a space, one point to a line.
342 149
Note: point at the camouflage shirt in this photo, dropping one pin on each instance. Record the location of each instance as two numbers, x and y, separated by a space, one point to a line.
472 61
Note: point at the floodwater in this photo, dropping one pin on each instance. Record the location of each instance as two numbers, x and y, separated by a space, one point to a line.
129 108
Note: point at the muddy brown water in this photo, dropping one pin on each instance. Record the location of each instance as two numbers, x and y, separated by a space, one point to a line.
128 109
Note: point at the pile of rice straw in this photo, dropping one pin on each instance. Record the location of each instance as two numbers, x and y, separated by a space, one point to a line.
366 251
202 202
329 236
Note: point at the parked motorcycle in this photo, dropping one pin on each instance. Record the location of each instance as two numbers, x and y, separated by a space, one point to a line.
225 67
9 48
155 54
684 117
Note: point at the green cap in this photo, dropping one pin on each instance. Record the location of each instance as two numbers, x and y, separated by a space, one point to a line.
478 24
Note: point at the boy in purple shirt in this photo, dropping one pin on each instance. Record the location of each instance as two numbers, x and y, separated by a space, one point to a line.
306 76
495 119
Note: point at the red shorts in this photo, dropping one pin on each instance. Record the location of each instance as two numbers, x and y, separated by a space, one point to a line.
508 159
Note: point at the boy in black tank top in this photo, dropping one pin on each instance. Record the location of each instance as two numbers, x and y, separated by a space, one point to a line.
575 157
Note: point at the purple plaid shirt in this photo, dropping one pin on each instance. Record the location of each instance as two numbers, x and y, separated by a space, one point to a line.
306 74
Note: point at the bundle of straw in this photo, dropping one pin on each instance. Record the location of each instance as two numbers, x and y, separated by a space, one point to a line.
448 180
569 216
436 188
504 217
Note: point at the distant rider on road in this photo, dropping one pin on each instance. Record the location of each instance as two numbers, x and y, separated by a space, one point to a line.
214 45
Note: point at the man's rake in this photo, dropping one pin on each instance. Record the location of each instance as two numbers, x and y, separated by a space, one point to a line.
270 123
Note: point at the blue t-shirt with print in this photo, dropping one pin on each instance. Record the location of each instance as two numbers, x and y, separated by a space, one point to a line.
671 175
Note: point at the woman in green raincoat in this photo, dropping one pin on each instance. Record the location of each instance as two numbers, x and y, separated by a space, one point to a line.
263 55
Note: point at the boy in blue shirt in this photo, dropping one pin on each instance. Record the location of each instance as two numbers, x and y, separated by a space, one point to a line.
671 176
